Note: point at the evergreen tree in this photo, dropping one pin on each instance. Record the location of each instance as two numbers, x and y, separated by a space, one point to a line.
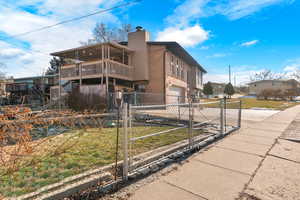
208 89
229 90
55 62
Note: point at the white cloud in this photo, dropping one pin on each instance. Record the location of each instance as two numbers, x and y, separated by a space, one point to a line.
242 8
292 67
187 36
241 77
8 53
59 38
186 12
249 43
204 47
218 55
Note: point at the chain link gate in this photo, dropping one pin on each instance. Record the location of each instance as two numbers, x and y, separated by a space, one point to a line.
152 132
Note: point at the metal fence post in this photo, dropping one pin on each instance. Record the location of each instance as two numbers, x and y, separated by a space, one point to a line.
222 116
190 124
117 142
225 114
178 101
130 135
240 114
125 141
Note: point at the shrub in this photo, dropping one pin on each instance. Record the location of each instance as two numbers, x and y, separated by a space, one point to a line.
273 94
208 89
78 101
229 90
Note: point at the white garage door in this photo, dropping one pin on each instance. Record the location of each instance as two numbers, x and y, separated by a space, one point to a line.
175 94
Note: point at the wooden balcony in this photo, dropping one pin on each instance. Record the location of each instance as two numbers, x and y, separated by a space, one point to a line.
97 69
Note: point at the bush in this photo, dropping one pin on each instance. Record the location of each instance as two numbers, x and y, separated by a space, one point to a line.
229 90
79 102
272 94
291 93
208 89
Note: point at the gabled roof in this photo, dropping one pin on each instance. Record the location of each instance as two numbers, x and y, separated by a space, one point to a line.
178 50
36 77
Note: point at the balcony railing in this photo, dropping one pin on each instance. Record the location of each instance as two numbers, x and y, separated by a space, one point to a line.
97 69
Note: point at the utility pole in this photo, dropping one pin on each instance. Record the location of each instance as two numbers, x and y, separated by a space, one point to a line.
229 74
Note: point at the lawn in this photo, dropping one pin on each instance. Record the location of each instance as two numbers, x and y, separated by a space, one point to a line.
76 152
250 103
270 104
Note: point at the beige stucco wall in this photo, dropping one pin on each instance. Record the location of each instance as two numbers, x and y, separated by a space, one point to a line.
137 41
256 88
173 81
156 74
160 75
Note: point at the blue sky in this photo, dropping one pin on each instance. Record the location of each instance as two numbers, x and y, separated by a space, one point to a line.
249 35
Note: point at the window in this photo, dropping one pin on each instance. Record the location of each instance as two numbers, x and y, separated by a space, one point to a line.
177 68
172 65
200 77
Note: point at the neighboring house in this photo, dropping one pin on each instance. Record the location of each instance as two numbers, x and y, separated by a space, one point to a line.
218 89
30 90
3 87
164 69
255 88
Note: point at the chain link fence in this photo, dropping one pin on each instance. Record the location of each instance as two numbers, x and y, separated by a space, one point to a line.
47 153
160 130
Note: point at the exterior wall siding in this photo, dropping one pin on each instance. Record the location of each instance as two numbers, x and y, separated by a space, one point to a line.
156 83
256 88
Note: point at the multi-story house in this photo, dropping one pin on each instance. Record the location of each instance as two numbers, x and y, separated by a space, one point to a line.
257 87
30 90
164 69
218 89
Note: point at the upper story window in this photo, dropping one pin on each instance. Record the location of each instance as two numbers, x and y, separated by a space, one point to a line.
177 68
199 77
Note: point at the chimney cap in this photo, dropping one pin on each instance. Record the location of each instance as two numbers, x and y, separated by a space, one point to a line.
139 28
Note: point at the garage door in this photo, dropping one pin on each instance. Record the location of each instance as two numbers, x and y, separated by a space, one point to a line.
175 95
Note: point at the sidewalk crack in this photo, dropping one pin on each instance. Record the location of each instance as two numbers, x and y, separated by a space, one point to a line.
239 151
214 165
181 188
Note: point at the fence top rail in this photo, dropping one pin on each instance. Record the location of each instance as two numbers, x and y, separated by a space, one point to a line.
181 104
158 106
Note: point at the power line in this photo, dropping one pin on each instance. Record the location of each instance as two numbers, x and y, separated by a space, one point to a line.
74 19
60 23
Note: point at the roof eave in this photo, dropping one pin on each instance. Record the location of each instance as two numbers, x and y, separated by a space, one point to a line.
115 44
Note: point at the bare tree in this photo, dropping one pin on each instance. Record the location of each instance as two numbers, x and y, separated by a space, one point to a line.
296 75
266 75
106 33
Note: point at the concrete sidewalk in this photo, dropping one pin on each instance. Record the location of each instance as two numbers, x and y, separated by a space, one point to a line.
249 164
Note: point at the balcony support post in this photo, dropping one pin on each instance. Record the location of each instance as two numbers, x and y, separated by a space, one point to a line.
102 64
123 56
